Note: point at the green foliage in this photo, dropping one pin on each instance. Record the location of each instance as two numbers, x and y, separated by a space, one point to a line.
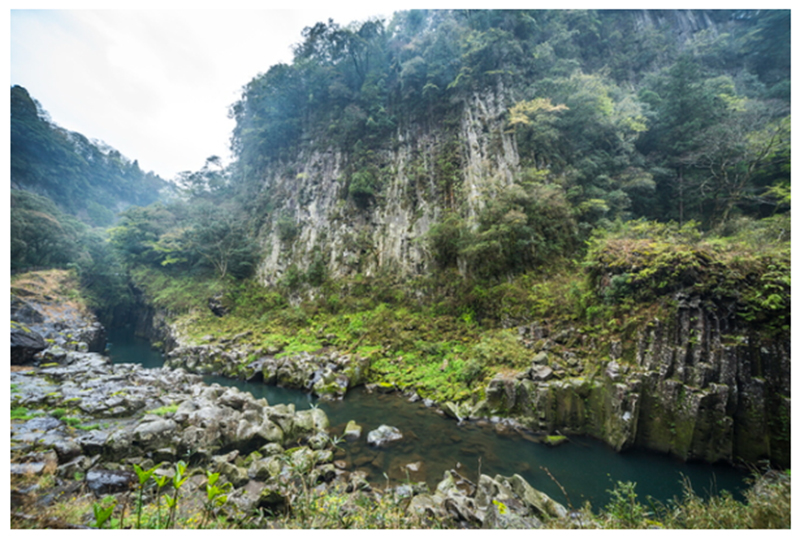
287 229
164 410
520 229
144 476
203 235
44 237
643 260
176 294
216 495
363 186
624 510
86 179
102 513
23 414
622 117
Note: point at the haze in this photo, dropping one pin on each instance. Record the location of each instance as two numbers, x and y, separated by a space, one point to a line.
155 84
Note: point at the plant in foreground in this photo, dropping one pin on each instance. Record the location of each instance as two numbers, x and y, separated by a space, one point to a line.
216 495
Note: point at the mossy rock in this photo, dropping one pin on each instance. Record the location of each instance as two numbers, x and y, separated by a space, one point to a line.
554 440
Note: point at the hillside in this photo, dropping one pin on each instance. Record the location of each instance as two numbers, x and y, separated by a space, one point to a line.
452 194
65 191
87 179
545 223
462 120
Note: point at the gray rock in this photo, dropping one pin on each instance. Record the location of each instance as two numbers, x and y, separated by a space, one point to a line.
102 481
352 431
540 373
383 436
25 343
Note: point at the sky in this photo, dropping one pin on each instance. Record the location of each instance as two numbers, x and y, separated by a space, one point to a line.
156 84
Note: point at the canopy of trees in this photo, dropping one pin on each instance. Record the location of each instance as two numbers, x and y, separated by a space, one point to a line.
86 180
630 115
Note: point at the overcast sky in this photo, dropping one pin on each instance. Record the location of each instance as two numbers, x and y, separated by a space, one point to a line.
157 84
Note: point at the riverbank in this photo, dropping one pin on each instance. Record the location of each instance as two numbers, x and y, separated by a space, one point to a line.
81 429
89 437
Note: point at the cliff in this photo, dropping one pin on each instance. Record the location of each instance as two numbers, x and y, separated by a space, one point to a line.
388 232
693 384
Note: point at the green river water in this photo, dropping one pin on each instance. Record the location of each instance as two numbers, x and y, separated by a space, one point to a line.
432 443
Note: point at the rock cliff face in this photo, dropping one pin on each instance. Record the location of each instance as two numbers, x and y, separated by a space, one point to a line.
692 386
388 231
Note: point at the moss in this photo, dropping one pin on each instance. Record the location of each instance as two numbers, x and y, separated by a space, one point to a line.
554 440
165 410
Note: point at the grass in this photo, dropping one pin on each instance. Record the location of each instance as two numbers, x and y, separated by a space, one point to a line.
44 286
165 410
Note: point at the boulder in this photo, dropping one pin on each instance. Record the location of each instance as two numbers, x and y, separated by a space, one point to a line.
271 499
237 476
383 436
264 469
352 431
102 481
540 503
540 373
25 343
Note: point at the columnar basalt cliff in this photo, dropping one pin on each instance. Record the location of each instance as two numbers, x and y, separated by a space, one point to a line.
388 231
691 385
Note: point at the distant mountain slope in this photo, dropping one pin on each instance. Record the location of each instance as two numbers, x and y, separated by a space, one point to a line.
85 180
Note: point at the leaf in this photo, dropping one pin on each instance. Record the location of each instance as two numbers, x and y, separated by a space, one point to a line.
144 475
102 514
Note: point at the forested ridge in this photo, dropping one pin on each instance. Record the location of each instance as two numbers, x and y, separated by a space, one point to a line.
627 115
87 179
65 190
579 219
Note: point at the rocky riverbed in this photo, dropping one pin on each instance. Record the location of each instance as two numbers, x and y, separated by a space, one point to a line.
81 426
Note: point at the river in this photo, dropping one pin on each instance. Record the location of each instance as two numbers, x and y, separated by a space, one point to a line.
584 467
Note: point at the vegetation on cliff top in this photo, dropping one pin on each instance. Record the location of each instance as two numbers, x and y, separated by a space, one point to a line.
651 167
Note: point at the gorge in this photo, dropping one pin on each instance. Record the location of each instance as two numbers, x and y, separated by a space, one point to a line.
551 248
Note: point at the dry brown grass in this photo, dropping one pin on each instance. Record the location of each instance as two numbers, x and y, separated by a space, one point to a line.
56 290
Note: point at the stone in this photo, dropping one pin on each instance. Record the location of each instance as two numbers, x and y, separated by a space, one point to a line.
216 306
540 358
102 481
152 433
613 371
237 476
352 431
25 343
540 373
383 436
273 500
540 502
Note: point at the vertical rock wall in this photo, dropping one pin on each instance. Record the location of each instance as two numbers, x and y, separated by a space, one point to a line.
694 386
389 232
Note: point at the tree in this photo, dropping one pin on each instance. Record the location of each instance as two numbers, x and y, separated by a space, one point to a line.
221 239
684 104
733 153
534 122
211 179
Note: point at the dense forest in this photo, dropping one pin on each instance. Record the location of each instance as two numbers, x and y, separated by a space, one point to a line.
669 117
623 115
448 194
65 191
